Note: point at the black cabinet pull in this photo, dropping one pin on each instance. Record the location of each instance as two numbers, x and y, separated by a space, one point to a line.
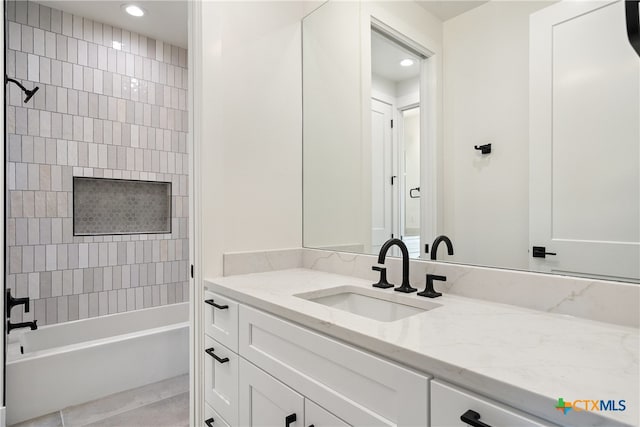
210 352
473 419
290 419
219 307
209 422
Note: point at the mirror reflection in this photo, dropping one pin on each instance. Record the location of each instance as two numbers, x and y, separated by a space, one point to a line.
513 128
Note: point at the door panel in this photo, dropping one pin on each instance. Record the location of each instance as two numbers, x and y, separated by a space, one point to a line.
585 133
381 172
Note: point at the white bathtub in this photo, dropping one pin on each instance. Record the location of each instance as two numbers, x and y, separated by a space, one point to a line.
83 360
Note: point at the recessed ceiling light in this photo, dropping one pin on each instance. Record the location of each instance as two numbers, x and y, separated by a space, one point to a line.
406 62
133 10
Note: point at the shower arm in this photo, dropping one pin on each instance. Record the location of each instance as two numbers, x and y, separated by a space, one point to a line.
26 91
7 80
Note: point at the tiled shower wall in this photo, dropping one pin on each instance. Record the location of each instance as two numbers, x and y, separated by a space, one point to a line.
112 103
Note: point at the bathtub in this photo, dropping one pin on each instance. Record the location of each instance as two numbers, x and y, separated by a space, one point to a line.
62 365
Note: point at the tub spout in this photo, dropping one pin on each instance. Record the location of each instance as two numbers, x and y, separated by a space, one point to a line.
10 326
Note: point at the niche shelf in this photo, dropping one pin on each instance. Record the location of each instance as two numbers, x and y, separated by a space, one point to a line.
120 206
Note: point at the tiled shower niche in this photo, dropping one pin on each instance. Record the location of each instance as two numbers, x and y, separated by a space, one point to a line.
120 206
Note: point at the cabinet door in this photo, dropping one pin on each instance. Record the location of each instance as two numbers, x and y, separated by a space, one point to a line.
221 379
265 401
449 403
221 319
316 416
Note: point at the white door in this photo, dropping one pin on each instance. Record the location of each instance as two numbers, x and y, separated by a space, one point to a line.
265 401
584 141
381 174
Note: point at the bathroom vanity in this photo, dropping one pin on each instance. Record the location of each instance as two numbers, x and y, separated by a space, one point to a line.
287 347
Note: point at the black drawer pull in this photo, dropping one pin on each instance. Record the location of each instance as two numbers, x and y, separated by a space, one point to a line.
290 419
473 419
209 422
210 352
219 307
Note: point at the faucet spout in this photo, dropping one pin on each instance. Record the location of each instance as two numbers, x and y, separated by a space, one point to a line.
436 243
11 326
405 286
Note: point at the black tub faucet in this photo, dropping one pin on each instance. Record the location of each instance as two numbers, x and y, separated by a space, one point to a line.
436 243
405 286
10 326
11 302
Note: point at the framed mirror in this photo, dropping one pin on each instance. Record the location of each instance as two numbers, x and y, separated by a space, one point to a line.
511 127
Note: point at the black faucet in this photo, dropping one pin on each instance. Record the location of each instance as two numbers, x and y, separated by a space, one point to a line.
33 325
436 243
405 286
11 302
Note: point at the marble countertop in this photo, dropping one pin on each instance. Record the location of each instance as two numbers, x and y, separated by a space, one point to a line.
523 358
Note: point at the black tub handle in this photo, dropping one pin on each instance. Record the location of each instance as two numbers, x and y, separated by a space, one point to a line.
210 352
472 418
219 307
209 422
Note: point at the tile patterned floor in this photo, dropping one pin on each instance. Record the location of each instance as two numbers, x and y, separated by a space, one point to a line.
165 403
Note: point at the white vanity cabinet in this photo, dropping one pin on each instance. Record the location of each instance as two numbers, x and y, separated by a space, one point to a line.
281 373
281 369
220 360
355 386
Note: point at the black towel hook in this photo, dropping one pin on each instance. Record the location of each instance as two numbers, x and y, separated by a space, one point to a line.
484 149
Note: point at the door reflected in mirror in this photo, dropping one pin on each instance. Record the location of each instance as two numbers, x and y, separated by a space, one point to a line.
395 143
398 95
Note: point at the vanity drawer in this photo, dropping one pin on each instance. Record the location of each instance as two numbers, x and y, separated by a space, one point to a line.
221 380
221 319
449 403
354 385
214 419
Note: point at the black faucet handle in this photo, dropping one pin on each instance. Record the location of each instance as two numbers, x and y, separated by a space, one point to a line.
382 283
429 291
11 302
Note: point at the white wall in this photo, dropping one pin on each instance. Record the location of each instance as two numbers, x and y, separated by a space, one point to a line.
486 83
250 160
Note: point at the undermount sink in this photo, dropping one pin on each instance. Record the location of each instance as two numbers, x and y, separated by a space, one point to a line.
369 303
